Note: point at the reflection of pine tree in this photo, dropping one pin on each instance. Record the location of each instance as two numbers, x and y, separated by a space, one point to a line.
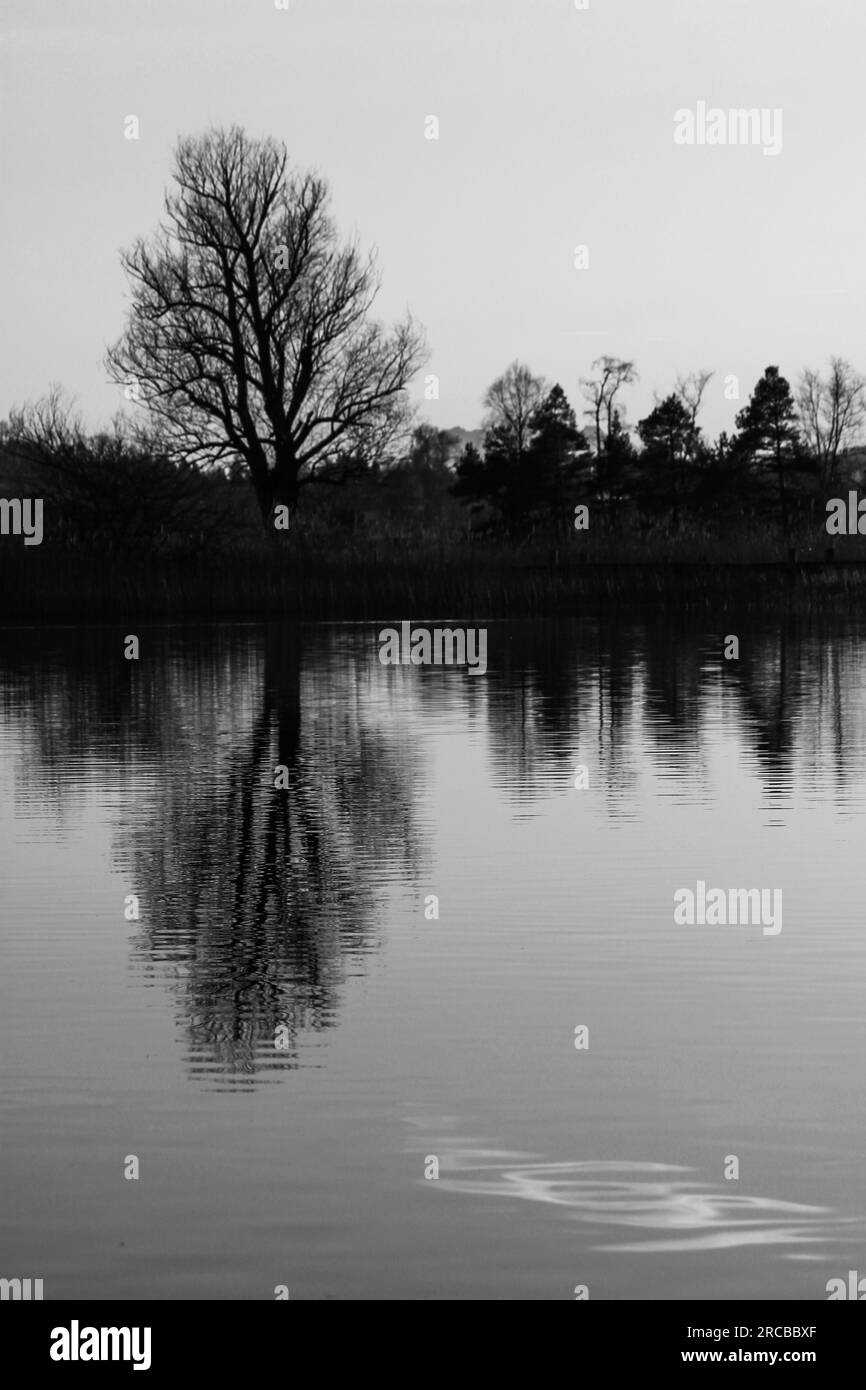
627 691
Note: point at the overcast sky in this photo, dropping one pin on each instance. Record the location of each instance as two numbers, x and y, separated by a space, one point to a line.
556 129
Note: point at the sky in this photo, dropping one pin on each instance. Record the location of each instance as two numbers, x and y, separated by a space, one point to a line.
556 130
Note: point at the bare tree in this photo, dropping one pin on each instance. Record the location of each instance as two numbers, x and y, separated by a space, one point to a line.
511 402
600 393
690 390
832 410
114 487
249 333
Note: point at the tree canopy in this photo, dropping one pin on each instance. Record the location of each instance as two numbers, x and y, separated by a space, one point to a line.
249 334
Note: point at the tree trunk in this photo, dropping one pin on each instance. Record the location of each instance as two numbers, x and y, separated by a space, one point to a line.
674 509
782 498
279 488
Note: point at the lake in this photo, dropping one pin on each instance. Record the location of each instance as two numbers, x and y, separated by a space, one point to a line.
240 1049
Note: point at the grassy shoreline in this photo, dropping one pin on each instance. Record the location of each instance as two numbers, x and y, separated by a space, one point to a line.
383 579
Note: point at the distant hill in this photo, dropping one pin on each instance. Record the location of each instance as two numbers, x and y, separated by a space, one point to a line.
464 437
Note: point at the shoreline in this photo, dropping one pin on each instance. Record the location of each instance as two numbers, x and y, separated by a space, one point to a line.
82 589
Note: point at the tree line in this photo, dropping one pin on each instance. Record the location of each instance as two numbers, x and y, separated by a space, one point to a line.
789 449
254 368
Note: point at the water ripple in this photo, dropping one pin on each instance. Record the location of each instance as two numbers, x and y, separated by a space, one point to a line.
690 1213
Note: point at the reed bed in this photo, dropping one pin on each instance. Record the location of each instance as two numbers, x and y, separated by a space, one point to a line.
415 577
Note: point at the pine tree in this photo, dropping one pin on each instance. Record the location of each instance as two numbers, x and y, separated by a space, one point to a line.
769 430
666 434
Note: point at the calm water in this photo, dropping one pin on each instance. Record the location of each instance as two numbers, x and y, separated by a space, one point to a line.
298 916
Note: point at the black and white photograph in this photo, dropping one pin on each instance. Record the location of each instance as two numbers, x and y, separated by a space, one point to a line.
433 665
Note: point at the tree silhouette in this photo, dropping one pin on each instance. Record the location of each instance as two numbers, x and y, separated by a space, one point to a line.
553 454
600 392
832 411
531 449
118 488
769 431
666 434
511 402
249 333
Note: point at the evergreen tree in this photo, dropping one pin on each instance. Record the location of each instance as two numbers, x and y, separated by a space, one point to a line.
666 434
530 455
769 431
472 481
552 459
